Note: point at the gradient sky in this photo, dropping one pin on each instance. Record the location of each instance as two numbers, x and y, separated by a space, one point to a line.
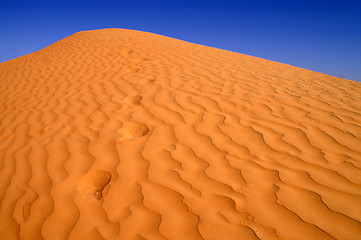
320 35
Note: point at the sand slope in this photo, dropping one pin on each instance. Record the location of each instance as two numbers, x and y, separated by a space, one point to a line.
120 134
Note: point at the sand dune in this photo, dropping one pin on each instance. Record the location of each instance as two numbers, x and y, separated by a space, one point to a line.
121 134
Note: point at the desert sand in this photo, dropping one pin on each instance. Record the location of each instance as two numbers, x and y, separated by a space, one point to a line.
122 134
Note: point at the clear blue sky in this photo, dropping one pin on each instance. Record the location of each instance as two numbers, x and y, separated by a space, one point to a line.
320 35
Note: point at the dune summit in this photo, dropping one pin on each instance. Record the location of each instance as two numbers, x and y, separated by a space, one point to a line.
121 134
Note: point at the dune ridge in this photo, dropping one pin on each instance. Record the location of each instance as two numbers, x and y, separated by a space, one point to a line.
122 134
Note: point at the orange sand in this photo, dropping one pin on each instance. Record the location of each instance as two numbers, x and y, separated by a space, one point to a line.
120 134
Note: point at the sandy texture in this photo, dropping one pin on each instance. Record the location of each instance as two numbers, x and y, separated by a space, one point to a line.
119 134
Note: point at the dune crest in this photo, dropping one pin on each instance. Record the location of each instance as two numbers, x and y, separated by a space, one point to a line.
121 134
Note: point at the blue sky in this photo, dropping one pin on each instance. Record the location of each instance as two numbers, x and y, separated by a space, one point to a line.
320 35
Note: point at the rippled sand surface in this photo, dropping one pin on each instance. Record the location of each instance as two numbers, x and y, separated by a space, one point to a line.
120 134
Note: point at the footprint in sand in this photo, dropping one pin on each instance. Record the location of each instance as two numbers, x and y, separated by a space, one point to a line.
129 69
139 59
133 130
133 100
93 183
147 79
24 205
